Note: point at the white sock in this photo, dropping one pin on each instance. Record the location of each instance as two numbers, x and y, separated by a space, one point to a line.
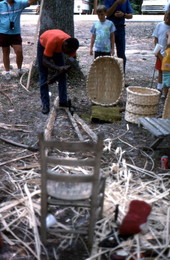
159 86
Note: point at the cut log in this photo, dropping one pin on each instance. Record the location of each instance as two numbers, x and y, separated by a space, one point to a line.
50 122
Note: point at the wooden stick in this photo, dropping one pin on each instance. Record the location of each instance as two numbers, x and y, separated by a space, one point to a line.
16 202
31 148
35 46
6 96
15 159
74 124
85 127
34 224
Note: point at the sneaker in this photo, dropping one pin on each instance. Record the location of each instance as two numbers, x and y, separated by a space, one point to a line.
7 76
45 109
20 72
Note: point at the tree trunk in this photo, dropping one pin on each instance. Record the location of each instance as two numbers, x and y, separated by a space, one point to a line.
95 5
58 14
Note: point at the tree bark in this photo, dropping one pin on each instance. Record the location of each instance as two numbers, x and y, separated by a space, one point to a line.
58 14
95 5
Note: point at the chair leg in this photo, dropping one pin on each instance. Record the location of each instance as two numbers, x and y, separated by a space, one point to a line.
156 143
43 221
101 199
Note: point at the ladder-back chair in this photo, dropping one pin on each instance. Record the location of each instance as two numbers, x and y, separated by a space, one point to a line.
71 178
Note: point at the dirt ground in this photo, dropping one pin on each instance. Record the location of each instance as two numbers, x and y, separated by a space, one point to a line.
20 110
21 107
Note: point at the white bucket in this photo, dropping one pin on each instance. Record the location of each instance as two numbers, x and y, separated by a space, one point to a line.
158 47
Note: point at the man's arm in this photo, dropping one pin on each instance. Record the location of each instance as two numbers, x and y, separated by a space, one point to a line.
155 40
49 63
112 40
30 2
168 38
128 16
111 10
92 43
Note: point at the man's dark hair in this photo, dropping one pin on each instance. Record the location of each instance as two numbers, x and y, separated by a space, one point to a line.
72 43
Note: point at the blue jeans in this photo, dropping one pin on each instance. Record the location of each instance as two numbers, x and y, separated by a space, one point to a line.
120 43
43 77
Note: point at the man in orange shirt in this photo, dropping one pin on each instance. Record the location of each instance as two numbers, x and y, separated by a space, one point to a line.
52 46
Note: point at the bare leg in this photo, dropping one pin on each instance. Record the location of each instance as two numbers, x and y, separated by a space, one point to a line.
160 76
159 85
19 55
6 60
165 91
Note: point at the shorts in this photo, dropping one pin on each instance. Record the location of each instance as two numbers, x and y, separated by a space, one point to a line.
100 53
158 64
7 40
166 79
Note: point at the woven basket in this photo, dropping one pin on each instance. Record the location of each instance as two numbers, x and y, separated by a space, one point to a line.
141 110
166 111
133 118
105 81
141 102
142 96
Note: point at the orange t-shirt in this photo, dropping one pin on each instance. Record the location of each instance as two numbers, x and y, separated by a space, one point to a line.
52 41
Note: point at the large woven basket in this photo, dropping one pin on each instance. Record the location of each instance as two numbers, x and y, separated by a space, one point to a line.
141 102
105 81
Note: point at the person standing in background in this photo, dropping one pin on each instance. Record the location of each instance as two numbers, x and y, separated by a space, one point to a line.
10 32
117 12
159 35
103 37
166 67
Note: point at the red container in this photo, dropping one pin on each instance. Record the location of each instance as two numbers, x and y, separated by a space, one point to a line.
164 162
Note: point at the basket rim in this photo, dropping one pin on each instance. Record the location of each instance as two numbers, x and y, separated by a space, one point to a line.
157 92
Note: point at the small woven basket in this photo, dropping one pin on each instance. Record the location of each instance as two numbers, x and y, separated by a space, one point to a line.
142 96
105 80
141 102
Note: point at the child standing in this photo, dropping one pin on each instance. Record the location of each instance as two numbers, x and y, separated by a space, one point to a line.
103 37
159 34
166 67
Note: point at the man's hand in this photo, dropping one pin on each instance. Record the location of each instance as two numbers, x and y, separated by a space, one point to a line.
119 14
63 68
120 2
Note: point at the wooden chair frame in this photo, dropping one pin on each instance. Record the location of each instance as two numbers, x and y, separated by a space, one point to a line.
97 180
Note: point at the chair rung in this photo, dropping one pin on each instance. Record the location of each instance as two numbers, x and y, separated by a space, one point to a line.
71 162
72 203
59 230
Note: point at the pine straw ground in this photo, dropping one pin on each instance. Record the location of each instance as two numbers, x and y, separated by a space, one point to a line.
20 209
132 172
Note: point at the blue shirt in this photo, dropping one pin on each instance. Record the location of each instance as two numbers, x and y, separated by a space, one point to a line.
102 32
11 14
125 8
